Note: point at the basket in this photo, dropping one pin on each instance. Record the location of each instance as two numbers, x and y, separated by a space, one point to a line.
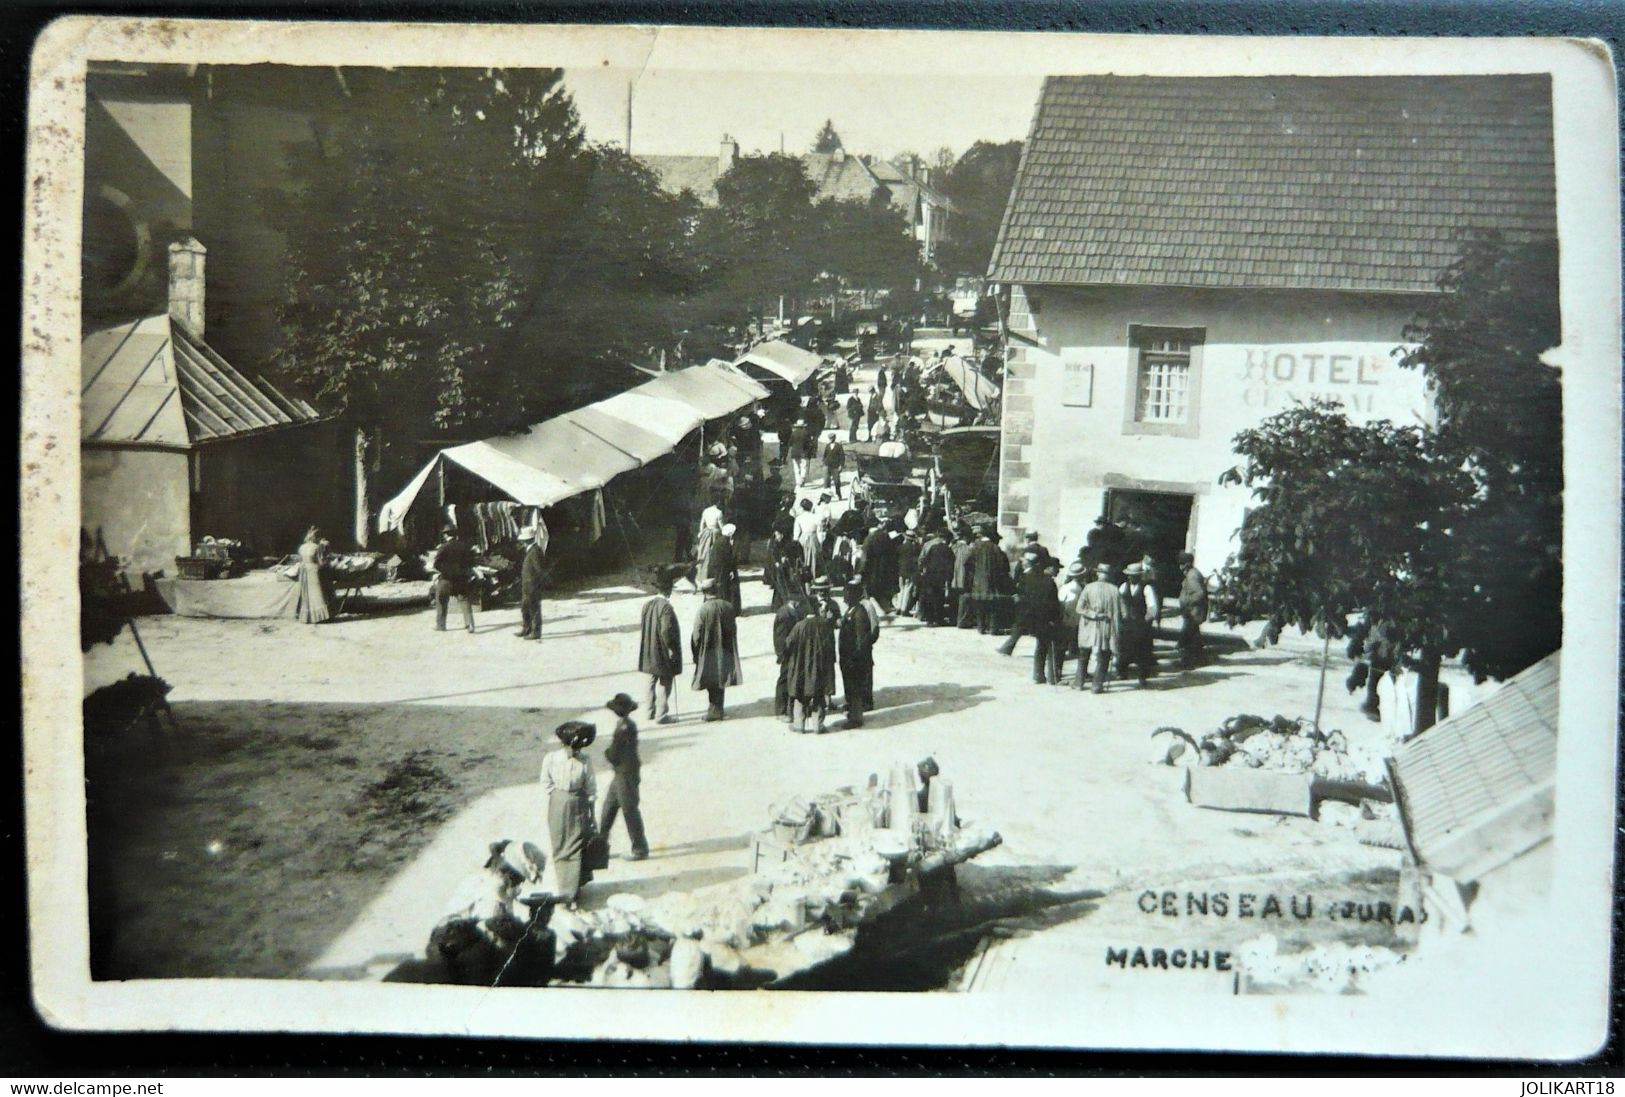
199 567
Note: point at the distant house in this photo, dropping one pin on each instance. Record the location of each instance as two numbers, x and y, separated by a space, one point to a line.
838 175
1187 256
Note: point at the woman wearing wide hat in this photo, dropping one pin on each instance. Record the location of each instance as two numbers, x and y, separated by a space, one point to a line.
568 784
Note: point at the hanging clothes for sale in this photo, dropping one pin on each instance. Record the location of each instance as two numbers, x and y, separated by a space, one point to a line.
596 521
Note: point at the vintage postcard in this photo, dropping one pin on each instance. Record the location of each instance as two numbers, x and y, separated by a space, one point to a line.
872 537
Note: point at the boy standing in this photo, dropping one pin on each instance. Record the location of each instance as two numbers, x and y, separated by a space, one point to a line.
622 756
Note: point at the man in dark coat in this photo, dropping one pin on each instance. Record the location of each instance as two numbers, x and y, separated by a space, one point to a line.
880 566
936 570
785 572
714 644
809 661
1044 554
857 656
622 756
795 607
453 568
854 416
798 451
1038 607
834 461
1192 609
660 650
987 573
530 586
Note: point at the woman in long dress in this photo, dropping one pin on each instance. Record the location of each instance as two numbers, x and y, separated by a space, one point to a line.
571 792
313 599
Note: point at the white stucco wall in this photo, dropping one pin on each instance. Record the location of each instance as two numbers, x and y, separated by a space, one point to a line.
1263 351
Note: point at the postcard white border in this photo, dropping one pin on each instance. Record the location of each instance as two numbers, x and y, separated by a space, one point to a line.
1554 1002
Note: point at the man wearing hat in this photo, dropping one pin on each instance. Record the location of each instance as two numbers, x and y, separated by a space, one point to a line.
1044 555
660 650
1192 609
960 601
530 584
798 450
714 644
792 608
857 655
1139 613
809 661
987 572
834 461
622 756
1038 609
1100 622
453 568
935 569
1072 584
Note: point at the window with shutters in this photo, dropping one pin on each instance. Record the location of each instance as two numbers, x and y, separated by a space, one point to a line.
1165 375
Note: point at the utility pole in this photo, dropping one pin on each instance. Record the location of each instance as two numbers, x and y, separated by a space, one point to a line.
629 86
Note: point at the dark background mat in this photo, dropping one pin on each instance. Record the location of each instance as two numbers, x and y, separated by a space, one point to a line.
28 1048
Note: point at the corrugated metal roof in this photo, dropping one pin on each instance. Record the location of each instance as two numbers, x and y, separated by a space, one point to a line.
1476 790
1352 183
152 382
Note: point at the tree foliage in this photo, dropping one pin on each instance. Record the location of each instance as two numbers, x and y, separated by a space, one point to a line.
1450 533
979 185
1349 518
827 140
770 236
461 260
866 244
1500 408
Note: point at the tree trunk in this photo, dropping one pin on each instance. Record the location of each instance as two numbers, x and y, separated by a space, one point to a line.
1427 691
363 479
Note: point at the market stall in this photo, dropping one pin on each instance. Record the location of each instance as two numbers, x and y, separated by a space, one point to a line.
556 471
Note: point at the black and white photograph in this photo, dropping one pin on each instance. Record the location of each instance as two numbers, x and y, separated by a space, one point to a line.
880 537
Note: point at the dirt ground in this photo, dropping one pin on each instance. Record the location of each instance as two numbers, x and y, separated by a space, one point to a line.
333 783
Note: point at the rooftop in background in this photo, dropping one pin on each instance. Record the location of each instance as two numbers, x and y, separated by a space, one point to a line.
1349 183
1478 789
151 382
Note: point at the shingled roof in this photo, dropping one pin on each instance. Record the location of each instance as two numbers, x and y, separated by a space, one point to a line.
152 382
1347 183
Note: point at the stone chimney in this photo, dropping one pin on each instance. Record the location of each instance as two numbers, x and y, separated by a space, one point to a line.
727 155
186 257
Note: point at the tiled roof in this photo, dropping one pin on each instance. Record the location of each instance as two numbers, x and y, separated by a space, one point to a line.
680 173
1353 183
1477 790
842 177
152 382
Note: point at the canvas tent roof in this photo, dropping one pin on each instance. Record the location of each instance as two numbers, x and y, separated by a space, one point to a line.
714 389
671 419
782 360
151 382
978 390
586 448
